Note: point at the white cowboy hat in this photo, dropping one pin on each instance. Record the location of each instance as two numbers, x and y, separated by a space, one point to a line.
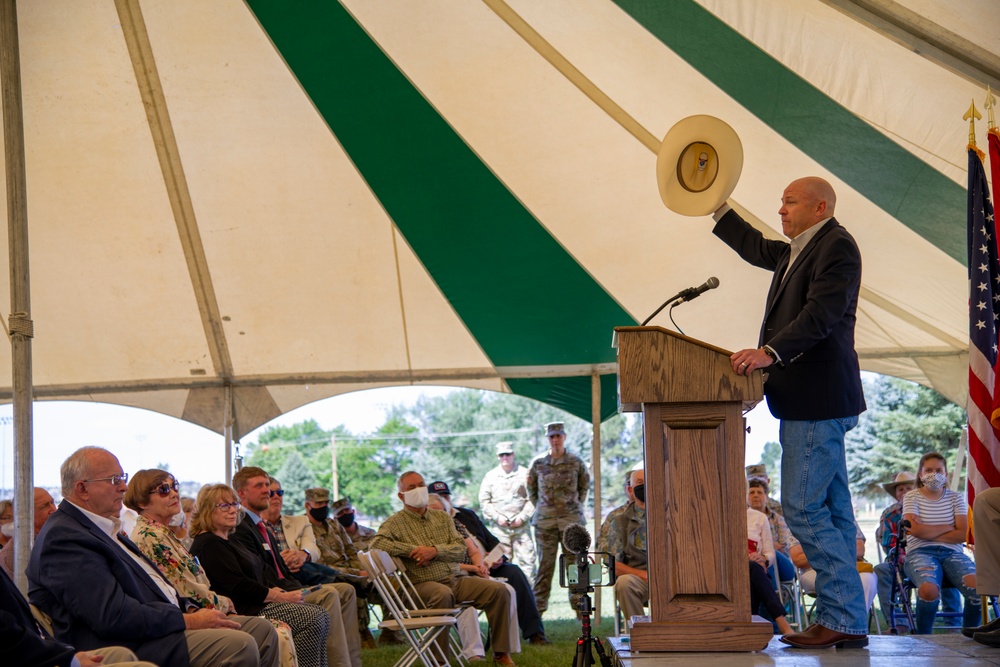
698 165
897 479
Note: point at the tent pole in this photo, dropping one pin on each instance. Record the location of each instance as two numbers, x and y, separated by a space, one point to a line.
228 433
20 325
595 470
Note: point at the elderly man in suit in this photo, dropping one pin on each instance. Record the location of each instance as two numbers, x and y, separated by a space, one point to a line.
343 645
813 385
97 587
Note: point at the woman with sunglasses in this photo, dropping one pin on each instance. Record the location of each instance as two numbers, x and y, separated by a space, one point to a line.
238 574
153 495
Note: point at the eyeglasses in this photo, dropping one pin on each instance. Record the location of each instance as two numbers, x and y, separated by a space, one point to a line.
225 507
114 479
280 493
165 489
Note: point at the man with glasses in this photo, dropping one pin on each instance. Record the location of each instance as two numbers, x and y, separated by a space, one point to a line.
503 497
99 590
45 506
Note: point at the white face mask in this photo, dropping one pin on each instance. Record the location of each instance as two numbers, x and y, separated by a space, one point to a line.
416 497
177 519
7 529
934 480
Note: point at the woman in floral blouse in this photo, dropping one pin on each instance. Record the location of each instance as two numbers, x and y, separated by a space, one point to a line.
154 496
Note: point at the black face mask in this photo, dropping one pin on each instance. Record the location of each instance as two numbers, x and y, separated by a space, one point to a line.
346 520
319 513
639 490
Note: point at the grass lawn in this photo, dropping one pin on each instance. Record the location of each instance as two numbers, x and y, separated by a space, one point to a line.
561 627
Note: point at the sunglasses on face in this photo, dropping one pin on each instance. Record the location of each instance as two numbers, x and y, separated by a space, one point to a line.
165 488
280 493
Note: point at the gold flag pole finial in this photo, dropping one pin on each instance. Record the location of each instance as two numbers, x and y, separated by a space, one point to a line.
989 104
972 115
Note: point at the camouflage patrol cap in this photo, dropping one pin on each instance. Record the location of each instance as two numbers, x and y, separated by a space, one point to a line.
757 470
505 448
317 495
341 504
555 428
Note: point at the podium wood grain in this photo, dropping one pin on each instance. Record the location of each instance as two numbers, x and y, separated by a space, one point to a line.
692 404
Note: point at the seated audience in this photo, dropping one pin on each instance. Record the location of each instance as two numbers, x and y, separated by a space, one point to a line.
528 618
152 495
807 575
431 548
343 643
938 520
986 523
94 584
25 644
757 497
761 552
44 508
626 541
239 575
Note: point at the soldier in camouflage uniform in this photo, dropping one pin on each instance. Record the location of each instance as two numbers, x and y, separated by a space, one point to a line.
361 536
335 547
503 497
558 484
602 538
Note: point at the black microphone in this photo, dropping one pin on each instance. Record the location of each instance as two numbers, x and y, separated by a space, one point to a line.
685 295
576 539
695 292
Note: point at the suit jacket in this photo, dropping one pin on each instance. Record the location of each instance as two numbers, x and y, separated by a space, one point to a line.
809 319
248 536
98 596
22 641
299 534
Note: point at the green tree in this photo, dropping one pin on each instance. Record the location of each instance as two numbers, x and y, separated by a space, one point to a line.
369 467
295 478
771 457
904 420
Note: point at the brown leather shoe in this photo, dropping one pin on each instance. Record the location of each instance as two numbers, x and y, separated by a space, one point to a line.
818 636
538 639
503 659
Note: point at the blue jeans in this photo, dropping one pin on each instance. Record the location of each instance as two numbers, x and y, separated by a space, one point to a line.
818 510
951 597
936 565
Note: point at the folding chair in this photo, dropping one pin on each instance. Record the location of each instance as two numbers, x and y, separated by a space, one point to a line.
421 632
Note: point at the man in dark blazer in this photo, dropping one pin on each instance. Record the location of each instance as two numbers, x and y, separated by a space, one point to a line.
813 385
99 589
528 618
343 644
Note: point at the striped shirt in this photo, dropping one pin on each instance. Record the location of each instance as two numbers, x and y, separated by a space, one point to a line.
405 530
940 512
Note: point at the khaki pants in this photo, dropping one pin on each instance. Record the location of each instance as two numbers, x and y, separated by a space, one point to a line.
986 524
493 597
632 594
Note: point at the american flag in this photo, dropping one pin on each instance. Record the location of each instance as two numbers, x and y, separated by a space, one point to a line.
984 319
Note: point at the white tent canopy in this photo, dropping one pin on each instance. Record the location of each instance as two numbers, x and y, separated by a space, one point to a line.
263 204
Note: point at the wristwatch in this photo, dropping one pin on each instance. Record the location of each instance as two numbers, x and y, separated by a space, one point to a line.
774 356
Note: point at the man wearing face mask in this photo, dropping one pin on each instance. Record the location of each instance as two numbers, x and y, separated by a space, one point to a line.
343 511
627 543
431 549
335 546
939 518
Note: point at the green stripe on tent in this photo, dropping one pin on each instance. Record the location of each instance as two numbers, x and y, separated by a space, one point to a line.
521 295
895 180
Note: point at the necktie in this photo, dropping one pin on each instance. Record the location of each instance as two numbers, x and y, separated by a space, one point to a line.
267 540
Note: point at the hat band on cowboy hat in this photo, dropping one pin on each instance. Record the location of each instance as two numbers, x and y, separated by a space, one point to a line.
698 165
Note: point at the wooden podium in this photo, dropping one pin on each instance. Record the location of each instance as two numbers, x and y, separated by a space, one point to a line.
692 405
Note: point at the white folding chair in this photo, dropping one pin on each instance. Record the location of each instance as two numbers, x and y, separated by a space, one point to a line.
420 632
414 605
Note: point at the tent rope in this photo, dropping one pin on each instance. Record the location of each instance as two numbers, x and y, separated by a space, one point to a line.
20 323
